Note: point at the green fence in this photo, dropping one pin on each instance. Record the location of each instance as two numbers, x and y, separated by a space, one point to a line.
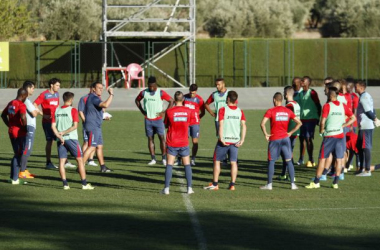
243 63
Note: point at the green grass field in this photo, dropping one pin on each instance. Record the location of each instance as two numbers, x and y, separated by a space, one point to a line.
126 211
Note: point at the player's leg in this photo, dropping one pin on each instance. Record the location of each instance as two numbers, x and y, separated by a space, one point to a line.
302 149
50 137
274 150
62 156
15 161
99 151
171 155
149 132
92 144
286 150
28 146
194 133
339 148
233 152
309 137
359 146
90 161
282 176
160 130
366 149
219 154
184 152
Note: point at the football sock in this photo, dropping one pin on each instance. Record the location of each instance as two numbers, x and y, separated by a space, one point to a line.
168 175
48 161
215 183
14 169
232 184
90 160
188 175
336 179
164 157
84 182
65 183
325 171
316 180
367 159
270 170
24 160
377 166
290 170
300 159
153 157
193 158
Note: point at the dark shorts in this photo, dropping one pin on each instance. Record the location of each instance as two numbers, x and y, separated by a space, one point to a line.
49 134
336 146
364 139
71 146
181 151
276 147
292 141
194 131
308 128
85 137
221 151
95 137
154 127
18 144
29 140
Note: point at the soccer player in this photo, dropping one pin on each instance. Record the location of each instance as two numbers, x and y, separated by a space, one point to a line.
219 98
93 123
279 142
310 113
296 109
366 117
31 114
232 131
331 128
14 117
64 125
355 99
177 121
296 84
196 103
153 113
81 110
49 101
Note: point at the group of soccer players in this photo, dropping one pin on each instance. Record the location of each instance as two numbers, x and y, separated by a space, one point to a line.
343 114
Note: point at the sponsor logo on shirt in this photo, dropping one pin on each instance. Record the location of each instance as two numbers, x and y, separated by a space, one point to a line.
151 99
231 138
233 117
282 116
62 115
336 113
180 114
190 106
54 103
180 119
11 110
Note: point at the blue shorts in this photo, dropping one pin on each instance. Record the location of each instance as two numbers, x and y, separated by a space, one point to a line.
336 146
194 131
71 146
308 128
49 134
85 137
29 140
364 139
95 137
154 127
276 147
221 151
181 151
18 144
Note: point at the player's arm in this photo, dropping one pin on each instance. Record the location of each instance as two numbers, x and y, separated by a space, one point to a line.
368 109
315 98
243 133
349 114
37 102
81 114
57 134
298 125
107 102
263 128
4 116
202 109
138 103
220 132
322 125
72 128
23 119
207 105
169 99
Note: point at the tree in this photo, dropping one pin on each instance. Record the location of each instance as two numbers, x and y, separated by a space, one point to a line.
15 19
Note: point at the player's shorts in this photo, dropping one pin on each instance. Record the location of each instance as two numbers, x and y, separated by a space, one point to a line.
154 127
95 137
180 151
277 146
308 128
364 139
49 134
29 140
346 130
71 146
221 151
336 146
18 145
85 137
217 128
293 141
194 131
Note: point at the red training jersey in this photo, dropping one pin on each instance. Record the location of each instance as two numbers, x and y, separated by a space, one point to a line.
355 104
74 114
13 110
197 104
178 120
351 139
326 111
49 103
279 122
164 96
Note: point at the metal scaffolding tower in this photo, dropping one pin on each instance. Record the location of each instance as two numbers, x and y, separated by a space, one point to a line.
119 29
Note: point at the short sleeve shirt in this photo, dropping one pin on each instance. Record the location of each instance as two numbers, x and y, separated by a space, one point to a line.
30 119
279 122
13 110
49 103
94 113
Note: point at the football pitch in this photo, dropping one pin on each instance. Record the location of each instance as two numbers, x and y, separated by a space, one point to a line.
126 211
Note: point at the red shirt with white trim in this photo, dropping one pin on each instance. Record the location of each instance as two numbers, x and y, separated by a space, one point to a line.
326 111
355 104
279 117
194 103
178 120
13 110
49 103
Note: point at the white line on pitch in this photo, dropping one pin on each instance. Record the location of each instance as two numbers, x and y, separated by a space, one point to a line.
192 213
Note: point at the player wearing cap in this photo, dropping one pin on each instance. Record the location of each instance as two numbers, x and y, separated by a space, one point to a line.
279 142
331 128
64 125
153 112
14 117
232 131
178 120
194 102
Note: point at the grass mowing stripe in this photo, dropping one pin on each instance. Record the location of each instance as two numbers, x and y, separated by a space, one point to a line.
192 213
